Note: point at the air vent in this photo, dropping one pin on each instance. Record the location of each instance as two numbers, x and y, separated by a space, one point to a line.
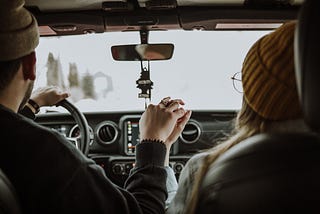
107 133
191 133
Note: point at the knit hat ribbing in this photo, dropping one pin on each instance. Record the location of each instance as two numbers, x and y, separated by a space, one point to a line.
268 76
19 33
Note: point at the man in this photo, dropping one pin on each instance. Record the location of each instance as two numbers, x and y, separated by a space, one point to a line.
49 174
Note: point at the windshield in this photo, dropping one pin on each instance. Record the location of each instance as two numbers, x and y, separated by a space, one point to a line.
199 72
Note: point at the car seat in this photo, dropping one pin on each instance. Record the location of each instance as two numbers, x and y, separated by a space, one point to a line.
275 173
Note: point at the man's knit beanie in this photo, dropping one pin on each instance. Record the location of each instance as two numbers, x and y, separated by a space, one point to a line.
19 34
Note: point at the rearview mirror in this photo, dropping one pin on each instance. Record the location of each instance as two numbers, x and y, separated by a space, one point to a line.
142 52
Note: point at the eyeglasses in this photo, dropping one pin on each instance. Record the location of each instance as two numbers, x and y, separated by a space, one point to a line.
237 82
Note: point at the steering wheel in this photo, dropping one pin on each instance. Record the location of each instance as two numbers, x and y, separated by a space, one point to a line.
82 143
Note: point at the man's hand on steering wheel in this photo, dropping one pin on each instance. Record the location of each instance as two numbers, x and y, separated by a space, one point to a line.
52 95
48 96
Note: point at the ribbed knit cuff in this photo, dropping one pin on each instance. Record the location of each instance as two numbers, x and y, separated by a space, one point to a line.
150 153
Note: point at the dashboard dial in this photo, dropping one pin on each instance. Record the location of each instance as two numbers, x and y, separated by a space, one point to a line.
75 133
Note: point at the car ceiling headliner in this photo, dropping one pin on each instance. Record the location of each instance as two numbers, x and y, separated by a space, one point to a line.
67 5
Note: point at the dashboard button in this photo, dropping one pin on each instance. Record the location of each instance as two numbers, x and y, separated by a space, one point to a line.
178 167
117 169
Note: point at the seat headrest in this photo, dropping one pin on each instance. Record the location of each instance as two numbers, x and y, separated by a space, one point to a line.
307 61
267 173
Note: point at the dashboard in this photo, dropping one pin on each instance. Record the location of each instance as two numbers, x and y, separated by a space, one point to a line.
114 135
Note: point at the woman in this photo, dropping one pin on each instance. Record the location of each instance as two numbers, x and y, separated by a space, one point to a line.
270 104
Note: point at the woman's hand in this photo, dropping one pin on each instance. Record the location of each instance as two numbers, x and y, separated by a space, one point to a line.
181 123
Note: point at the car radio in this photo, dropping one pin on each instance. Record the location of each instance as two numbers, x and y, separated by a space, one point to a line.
130 127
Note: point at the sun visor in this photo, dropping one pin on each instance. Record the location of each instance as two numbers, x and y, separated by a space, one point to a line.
46 31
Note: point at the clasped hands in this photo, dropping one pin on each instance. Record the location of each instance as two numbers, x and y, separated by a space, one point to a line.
164 121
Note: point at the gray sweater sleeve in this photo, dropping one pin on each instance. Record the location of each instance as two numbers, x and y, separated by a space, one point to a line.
186 182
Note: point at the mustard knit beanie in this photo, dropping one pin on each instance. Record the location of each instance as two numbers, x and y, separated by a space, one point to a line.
268 76
19 34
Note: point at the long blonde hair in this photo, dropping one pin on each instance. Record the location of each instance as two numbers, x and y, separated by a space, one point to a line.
247 124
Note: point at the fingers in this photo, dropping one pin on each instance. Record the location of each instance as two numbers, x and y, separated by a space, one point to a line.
64 95
164 102
167 102
59 96
183 120
179 113
49 95
180 101
173 105
181 123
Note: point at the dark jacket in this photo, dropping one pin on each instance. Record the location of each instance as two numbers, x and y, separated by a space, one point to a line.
51 176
